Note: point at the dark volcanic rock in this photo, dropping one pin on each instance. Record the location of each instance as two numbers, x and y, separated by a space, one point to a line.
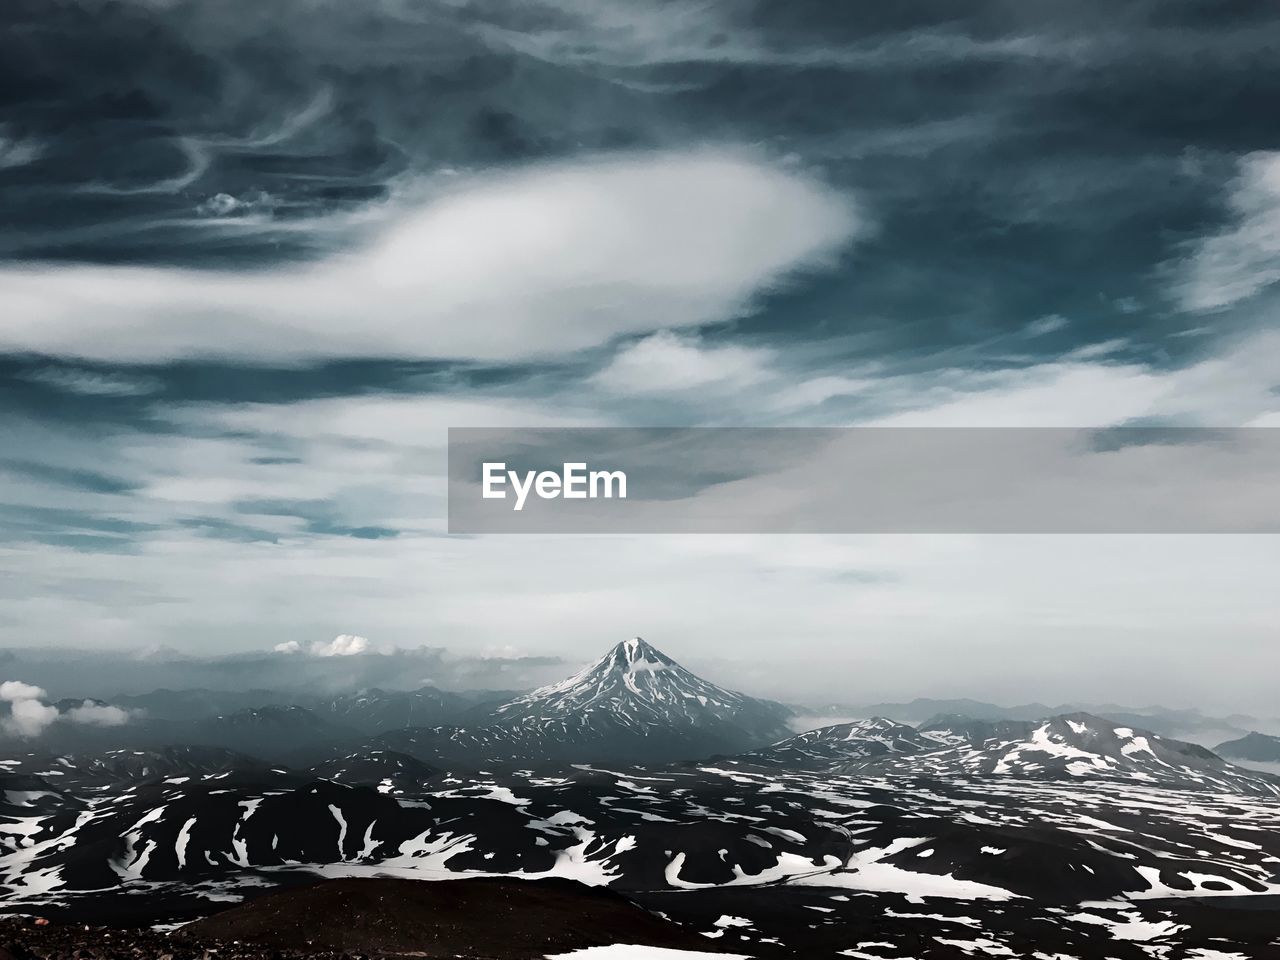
385 770
482 917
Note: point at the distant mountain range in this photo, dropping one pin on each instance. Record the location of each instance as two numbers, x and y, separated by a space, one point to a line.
828 748
271 728
371 710
694 800
177 686
375 710
1189 725
1076 745
633 704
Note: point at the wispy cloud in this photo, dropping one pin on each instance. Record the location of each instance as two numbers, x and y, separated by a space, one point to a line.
1045 325
670 363
1243 258
92 383
16 150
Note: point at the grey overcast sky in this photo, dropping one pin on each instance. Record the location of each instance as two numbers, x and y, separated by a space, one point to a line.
258 257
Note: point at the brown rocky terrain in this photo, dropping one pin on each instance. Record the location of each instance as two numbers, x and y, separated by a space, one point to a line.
482 918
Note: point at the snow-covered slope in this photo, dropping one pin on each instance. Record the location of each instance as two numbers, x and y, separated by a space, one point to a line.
825 747
1074 746
131 766
385 770
689 829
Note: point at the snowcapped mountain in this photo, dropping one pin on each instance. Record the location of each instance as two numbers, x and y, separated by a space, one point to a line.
637 685
1074 746
825 747
635 703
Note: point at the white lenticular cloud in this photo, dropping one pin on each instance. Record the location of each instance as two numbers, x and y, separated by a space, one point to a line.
552 259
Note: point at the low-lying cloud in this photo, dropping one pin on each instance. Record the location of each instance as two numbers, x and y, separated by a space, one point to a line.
98 715
343 645
29 715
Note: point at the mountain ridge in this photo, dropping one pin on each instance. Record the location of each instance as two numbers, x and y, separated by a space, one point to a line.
1078 745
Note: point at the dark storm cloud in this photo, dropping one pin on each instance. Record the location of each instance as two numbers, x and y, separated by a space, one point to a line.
188 133
1027 158
1019 161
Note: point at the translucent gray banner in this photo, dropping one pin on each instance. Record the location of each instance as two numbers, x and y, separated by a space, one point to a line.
864 480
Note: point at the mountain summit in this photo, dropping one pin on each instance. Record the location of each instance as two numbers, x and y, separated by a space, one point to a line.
635 703
635 685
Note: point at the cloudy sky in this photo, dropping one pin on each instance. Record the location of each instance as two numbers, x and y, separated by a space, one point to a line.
257 258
